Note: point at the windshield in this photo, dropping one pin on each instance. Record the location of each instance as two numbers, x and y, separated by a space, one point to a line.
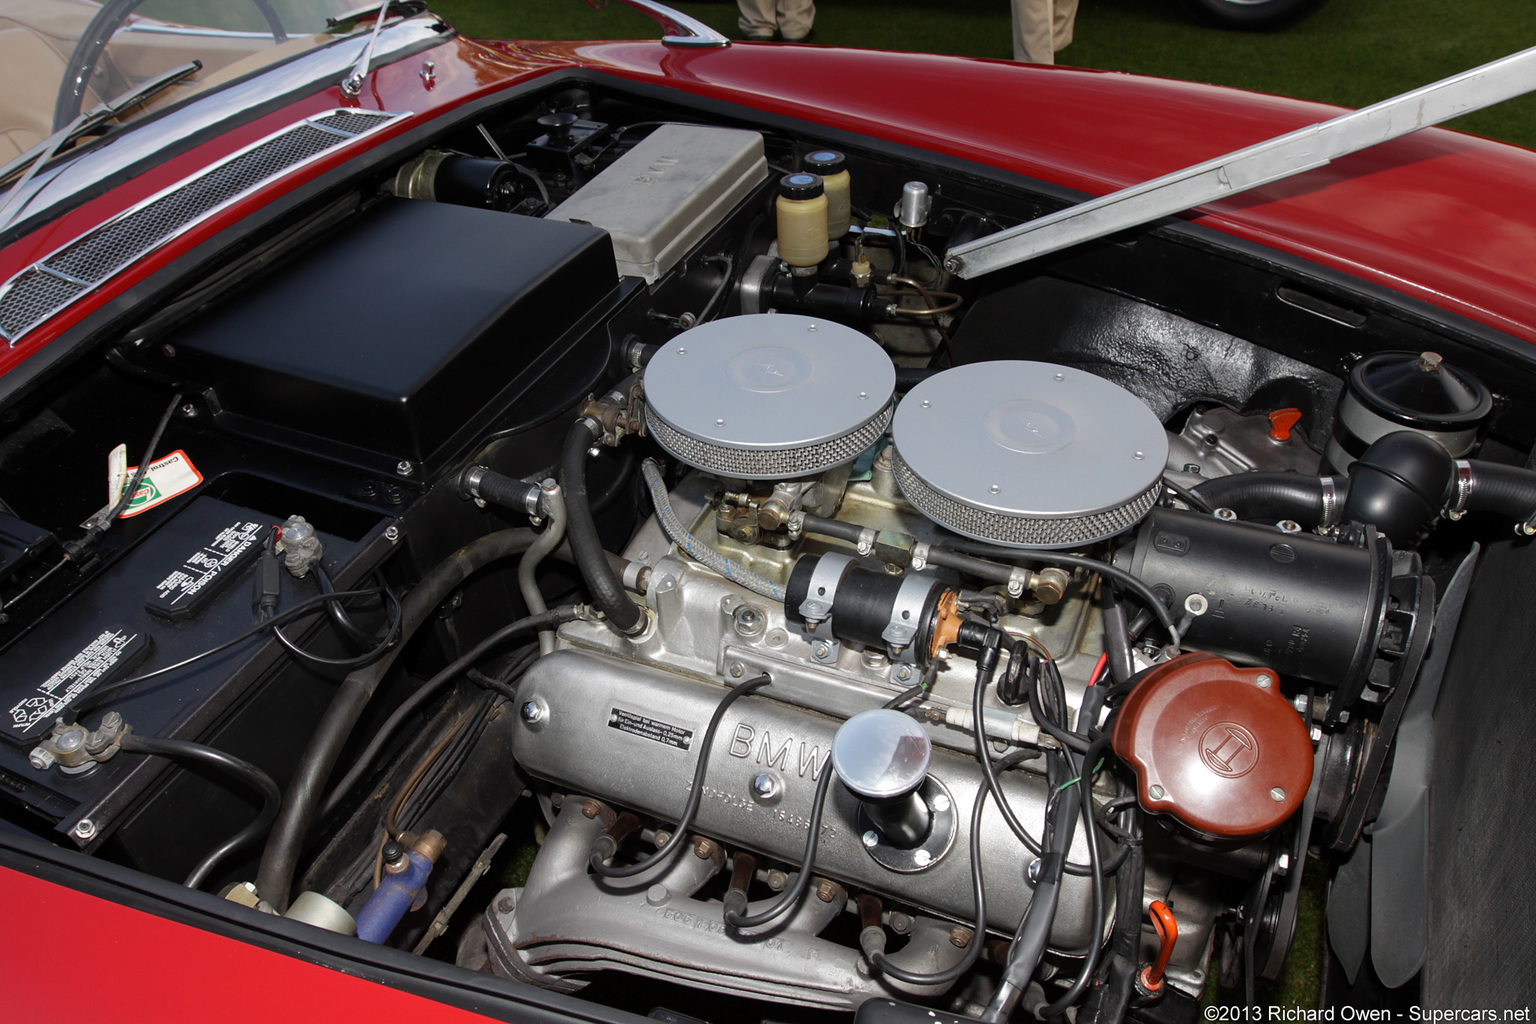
47 75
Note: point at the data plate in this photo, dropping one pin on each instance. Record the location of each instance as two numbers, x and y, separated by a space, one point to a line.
186 590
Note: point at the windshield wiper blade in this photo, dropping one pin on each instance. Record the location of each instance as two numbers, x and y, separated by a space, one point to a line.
1302 150
35 157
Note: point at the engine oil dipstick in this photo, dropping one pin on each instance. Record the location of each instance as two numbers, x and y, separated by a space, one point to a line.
1149 981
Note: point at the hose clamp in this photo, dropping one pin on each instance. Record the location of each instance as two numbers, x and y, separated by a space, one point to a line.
907 610
1330 495
1464 486
816 608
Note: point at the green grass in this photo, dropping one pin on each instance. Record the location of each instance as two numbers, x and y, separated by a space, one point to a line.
1352 52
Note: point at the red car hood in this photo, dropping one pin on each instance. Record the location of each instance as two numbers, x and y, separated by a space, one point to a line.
1439 216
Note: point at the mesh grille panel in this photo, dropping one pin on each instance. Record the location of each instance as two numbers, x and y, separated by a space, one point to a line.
1020 531
118 243
353 122
767 464
34 296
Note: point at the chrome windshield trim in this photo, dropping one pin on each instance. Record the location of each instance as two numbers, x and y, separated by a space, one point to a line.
190 30
127 255
56 186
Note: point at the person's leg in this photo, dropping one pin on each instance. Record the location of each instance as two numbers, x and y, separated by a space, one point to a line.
757 18
796 19
1032 31
1061 30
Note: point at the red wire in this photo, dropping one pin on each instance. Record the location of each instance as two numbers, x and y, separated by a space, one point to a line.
1098 669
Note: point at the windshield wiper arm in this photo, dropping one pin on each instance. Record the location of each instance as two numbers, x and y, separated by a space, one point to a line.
35 157
352 85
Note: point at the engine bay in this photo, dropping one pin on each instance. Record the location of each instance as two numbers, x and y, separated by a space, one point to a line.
604 547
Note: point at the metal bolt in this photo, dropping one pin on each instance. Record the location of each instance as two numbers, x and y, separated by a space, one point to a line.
1430 360
903 673
1155 792
737 670
765 787
826 891
703 849
1288 526
940 803
960 936
590 809
871 838
1262 680
42 758
994 489
1277 795
111 721
922 858
777 880
1196 604
720 423
1316 733
1139 455
1226 515
874 659
925 403
749 621
822 650
188 409
405 467
1061 376
864 394
1283 864
662 838
811 327
392 534
506 905
657 894
85 829
70 740
900 923
532 712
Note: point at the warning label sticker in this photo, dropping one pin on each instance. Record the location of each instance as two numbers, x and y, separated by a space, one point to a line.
204 572
114 651
650 728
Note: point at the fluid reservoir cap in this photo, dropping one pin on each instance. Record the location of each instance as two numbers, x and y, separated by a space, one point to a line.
825 162
881 754
1215 746
801 186
1420 389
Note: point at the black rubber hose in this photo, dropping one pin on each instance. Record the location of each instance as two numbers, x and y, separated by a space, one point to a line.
1274 496
252 776
970 564
802 882
279 861
1108 1002
424 692
824 527
1507 490
1117 636
1128 582
581 530
498 489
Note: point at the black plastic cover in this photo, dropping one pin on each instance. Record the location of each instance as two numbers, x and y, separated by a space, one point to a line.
394 333
1417 392
20 543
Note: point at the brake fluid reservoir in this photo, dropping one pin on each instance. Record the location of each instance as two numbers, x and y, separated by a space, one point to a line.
802 217
833 168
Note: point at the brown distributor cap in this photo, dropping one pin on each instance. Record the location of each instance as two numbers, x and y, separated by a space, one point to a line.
1211 746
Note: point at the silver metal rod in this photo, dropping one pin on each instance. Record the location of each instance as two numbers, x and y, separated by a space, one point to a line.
1302 150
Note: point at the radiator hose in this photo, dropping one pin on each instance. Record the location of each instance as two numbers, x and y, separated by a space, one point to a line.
279 861
581 530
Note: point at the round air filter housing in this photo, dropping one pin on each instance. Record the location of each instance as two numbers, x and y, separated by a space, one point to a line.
1028 454
768 396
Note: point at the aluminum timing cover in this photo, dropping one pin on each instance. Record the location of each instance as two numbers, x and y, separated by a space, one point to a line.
1028 454
769 396
630 734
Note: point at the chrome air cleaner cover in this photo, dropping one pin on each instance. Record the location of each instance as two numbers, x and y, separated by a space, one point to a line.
768 396
1028 454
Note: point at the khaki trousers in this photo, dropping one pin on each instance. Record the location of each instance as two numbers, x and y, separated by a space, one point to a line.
1040 28
793 18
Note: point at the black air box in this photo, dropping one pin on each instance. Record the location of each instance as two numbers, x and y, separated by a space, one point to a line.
396 332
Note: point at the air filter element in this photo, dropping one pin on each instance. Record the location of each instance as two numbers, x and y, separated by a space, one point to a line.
768 396
1028 454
